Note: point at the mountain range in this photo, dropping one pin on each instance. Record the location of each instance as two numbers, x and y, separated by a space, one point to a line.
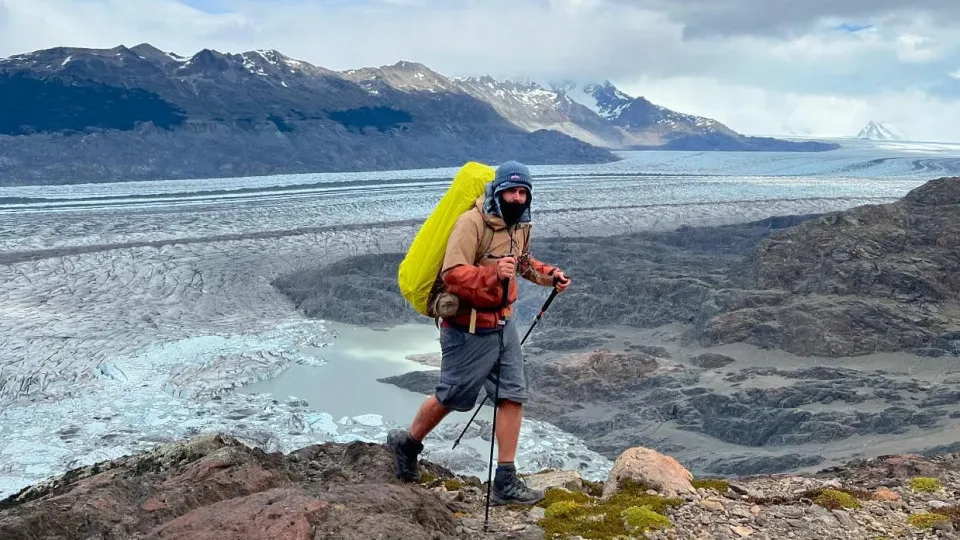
93 115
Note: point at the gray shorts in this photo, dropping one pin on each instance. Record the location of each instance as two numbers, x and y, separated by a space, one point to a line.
468 363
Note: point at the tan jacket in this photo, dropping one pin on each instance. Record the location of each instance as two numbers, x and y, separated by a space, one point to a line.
474 281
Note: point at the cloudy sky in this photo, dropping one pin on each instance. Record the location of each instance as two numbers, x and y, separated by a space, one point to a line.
812 67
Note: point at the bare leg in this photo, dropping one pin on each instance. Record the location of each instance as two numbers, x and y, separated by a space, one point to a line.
509 415
430 414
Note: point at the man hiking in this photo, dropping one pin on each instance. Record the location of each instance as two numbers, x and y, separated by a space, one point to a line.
482 330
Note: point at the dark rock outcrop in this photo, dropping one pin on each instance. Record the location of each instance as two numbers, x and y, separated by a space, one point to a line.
711 361
870 279
613 400
215 487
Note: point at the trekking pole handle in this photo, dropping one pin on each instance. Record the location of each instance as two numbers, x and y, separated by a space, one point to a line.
553 294
546 305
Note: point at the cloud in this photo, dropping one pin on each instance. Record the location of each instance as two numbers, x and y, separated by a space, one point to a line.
918 49
920 115
839 63
785 17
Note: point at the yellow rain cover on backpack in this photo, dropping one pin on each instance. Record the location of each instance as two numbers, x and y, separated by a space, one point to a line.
419 269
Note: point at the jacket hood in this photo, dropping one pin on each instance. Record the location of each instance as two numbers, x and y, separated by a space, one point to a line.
491 203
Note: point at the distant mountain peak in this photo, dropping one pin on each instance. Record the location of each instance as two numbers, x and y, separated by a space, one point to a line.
122 49
149 52
881 132
404 75
610 100
408 65
207 61
146 48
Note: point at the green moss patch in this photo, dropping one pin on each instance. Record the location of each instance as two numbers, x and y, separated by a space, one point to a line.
452 484
952 512
720 486
641 518
593 488
835 499
926 520
562 509
629 485
555 495
629 511
925 484
814 494
427 478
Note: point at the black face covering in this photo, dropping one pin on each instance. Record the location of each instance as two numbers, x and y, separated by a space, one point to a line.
511 211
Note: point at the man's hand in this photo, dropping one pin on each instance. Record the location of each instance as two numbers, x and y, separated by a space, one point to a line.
560 281
506 267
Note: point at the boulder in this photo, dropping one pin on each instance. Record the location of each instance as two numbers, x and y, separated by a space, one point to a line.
658 471
569 480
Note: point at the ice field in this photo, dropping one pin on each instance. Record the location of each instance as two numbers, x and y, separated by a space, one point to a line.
130 311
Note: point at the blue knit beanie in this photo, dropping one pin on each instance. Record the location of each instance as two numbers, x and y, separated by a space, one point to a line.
511 174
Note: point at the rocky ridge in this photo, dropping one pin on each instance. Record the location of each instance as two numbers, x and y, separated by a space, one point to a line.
120 114
599 114
874 278
869 279
213 486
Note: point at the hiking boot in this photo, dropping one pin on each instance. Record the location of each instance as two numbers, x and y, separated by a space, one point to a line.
508 488
405 450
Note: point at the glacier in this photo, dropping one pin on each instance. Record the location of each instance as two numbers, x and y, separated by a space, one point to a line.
131 313
181 388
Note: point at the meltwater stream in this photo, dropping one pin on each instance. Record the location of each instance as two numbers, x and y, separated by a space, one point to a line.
346 386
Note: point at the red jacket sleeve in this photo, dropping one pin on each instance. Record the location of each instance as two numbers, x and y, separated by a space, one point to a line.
478 285
536 271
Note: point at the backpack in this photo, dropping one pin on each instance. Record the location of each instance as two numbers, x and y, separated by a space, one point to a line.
418 274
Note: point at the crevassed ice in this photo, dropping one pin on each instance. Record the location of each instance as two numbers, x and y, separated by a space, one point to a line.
178 389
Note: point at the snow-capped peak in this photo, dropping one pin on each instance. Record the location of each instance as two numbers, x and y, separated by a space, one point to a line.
604 99
576 93
881 132
508 94
607 89
610 101
270 55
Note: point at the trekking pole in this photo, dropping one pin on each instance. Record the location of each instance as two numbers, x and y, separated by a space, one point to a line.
553 294
493 436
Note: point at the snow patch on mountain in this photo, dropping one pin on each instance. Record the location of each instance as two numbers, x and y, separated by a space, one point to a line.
881 132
